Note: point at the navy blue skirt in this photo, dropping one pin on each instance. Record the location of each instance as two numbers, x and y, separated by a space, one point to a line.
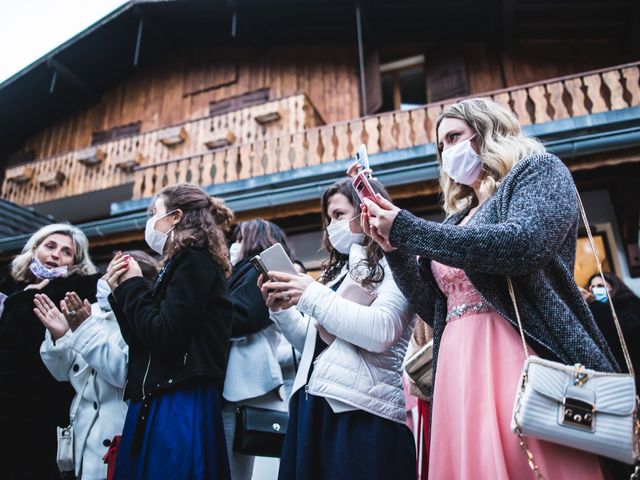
321 444
183 438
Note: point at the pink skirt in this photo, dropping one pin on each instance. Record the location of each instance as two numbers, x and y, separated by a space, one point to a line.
479 364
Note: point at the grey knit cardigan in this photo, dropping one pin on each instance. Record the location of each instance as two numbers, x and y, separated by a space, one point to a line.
527 229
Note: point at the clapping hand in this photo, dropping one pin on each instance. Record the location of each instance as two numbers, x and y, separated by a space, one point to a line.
75 311
121 268
38 286
50 316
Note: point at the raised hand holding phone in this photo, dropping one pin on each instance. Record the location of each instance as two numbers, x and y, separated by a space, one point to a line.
377 219
361 162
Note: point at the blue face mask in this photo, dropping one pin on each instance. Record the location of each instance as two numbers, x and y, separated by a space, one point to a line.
599 294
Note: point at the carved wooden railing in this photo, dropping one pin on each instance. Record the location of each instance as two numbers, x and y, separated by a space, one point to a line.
22 183
576 95
598 91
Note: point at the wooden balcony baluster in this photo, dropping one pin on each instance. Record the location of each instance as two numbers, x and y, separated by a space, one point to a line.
303 143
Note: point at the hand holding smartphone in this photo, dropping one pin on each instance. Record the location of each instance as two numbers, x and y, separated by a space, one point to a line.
363 188
360 182
273 259
363 159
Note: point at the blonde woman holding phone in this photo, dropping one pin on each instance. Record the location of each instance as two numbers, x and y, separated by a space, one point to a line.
512 211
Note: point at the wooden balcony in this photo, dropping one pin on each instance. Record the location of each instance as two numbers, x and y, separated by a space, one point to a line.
117 159
593 92
588 93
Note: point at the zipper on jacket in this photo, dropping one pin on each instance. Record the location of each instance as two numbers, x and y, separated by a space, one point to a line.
306 392
144 380
185 359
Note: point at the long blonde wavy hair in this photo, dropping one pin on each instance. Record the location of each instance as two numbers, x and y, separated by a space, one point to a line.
81 261
501 145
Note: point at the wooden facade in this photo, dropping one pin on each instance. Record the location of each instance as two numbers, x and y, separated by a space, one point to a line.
299 138
163 92
181 87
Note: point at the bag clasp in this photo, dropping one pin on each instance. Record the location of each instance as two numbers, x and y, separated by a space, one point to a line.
577 413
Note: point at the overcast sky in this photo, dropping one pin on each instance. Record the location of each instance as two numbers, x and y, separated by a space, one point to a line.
31 28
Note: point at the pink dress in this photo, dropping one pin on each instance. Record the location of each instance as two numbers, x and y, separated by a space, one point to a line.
479 364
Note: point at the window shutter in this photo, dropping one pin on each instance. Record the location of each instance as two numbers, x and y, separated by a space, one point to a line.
250 99
373 83
446 76
115 133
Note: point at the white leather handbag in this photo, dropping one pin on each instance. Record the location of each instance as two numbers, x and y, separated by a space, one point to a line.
576 407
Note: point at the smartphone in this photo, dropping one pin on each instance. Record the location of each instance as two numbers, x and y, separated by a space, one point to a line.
363 188
273 259
362 158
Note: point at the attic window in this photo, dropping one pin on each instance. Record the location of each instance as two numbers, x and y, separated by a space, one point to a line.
241 101
115 133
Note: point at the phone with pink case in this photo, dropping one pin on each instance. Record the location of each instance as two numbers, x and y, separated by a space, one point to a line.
363 188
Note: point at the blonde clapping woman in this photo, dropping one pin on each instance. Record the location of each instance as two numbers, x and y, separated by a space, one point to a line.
55 260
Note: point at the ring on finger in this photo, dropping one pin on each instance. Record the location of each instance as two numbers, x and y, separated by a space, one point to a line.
72 313
285 296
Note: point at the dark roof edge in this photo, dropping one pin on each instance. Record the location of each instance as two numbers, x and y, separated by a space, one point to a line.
80 35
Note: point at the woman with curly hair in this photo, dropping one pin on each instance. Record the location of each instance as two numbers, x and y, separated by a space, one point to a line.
178 333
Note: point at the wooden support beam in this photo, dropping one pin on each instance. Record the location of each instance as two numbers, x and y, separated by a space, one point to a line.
73 78
238 19
363 85
136 53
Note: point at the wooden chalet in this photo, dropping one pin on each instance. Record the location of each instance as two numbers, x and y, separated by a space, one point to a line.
264 103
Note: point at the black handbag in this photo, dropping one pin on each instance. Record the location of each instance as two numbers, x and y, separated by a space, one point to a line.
259 431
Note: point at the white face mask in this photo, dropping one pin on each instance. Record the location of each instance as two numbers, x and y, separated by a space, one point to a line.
234 252
102 293
462 163
155 239
341 236
42 271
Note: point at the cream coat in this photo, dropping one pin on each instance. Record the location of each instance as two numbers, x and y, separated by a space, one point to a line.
362 367
95 356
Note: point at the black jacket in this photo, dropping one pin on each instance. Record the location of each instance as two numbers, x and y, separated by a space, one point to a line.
32 402
250 314
179 329
628 312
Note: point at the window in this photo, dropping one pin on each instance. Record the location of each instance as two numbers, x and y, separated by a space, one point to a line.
115 133
403 84
585 263
241 101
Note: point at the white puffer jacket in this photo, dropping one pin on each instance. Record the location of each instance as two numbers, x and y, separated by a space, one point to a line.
95 355
363 366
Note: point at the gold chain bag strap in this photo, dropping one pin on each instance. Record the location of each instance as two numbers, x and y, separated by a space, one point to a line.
574 406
